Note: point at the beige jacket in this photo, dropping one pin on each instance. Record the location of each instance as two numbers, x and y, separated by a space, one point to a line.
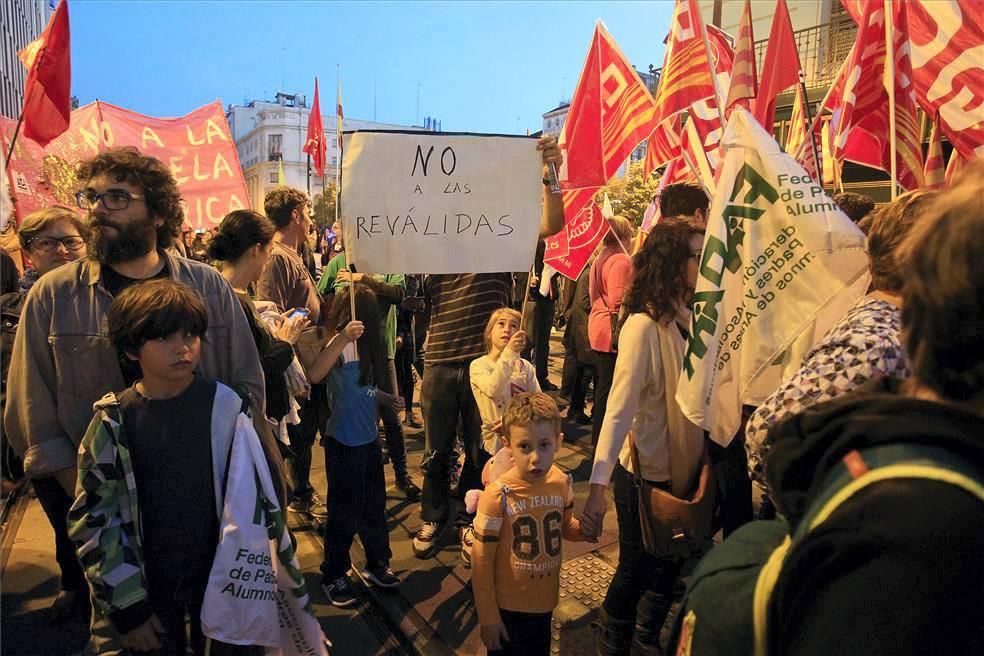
63 361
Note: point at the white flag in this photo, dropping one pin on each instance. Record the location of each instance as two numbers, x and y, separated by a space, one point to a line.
780 265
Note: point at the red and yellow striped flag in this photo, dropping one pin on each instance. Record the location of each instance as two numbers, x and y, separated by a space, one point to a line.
686 77
610 114
934 173
744 77
863 131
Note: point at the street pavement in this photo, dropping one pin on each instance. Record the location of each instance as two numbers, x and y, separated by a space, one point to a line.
432 613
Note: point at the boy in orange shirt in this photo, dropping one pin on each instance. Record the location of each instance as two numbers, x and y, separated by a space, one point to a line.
528 510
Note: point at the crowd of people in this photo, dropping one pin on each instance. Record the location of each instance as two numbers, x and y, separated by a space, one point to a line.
131 342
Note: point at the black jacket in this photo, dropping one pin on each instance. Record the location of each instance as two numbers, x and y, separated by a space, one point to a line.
899 568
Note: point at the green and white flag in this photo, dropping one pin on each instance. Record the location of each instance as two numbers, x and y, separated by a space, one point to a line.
780 265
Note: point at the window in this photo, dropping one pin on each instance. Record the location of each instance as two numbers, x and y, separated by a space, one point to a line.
273 178
273 143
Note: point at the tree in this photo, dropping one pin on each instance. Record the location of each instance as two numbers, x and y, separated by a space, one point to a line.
631 195
323 208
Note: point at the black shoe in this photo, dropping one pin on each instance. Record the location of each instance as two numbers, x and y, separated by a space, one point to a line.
317 508
547 386
583 418
406 485
381 577
339 592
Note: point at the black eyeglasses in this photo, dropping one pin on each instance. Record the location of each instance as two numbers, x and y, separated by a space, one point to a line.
48 244
114 199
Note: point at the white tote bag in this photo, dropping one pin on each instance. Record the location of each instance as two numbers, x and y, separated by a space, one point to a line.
256 593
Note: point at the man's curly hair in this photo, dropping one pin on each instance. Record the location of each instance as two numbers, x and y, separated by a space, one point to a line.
281 201
659 282
160 189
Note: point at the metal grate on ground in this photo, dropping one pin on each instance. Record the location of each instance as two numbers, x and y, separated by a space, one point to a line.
583 584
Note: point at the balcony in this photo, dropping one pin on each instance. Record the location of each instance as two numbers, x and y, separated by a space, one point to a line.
822 50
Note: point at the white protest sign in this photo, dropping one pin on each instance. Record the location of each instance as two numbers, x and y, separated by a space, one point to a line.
420 202
780 265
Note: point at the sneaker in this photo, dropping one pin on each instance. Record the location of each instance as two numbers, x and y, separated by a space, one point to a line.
300 505
317 508
339 592
467 542
425 543
406 485
381 577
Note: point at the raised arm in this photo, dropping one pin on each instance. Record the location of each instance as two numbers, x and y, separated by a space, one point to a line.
552 220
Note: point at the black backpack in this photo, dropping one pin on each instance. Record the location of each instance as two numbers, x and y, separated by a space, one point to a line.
725 610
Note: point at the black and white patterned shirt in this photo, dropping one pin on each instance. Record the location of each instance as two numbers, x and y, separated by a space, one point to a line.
865 345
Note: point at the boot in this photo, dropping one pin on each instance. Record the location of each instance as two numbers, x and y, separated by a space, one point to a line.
613 637
650 617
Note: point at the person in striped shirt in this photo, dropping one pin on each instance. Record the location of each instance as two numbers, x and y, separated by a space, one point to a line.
460 305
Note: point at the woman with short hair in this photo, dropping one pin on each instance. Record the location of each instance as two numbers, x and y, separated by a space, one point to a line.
51 237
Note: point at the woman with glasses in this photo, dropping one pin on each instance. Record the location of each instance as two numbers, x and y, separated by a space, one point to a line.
651 345
51 237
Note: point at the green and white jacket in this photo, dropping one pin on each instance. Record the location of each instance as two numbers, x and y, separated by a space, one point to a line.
104 521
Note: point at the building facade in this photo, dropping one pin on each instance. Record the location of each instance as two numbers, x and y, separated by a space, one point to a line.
268 133
21 21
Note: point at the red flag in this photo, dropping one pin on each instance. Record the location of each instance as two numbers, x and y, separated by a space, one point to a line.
947 40
744 78
686 77
315 145
47 91
954 169
663 145
611 112
781 67
934 172
864 126
577 241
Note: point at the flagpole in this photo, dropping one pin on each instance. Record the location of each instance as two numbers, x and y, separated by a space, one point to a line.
13 141
809 121
338 189
890 83
710 62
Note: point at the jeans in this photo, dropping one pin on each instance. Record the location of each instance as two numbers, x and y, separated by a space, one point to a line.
638 572
396 444
446 397
404 374
314 415
55 502
356 504
529 634
605 374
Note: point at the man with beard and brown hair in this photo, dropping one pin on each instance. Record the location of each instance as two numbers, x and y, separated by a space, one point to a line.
62 360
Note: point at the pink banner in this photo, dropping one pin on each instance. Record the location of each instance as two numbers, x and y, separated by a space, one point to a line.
197 147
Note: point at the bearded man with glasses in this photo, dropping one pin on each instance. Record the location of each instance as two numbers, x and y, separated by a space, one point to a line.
62 360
